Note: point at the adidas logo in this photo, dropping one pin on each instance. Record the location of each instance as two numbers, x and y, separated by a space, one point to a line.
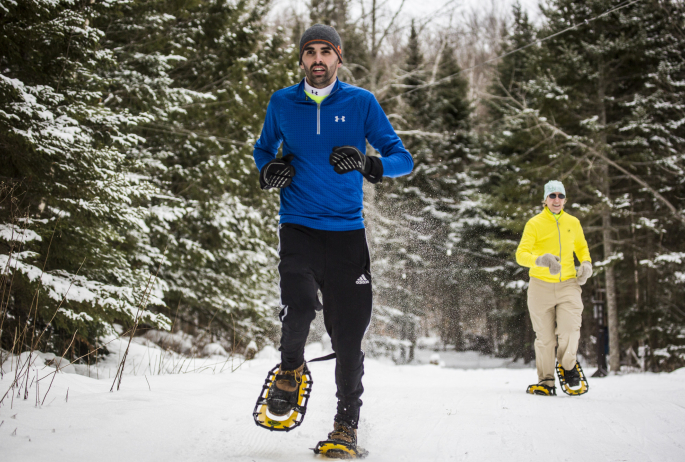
362 280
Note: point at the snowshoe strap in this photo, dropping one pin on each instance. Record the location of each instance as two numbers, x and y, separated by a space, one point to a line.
323 358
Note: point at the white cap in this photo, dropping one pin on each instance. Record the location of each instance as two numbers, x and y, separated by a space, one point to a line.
554 186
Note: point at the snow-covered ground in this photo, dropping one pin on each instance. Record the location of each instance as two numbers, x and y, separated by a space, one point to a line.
466 360
410 413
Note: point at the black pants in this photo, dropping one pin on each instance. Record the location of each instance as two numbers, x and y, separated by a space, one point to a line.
338 263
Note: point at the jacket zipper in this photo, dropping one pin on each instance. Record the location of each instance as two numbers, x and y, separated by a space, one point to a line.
559 232
318 113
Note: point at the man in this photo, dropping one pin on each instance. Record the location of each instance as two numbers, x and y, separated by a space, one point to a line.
547 246
323 125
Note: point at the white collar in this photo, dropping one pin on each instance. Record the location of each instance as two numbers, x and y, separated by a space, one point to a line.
318 91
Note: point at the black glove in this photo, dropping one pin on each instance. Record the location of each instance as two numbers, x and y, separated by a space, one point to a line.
278 173
345 159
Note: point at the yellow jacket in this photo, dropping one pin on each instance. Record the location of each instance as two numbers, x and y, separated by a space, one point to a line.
559 236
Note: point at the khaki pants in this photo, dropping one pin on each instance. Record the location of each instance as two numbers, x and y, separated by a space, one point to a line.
556 311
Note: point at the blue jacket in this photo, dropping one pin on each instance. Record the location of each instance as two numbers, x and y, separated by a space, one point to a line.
318 197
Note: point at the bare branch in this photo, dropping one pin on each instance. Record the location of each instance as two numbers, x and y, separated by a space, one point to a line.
387 29
679 216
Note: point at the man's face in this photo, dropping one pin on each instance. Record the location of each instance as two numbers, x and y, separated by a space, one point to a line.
320 65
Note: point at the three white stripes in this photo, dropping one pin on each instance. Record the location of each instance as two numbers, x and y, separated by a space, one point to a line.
347 162
278 179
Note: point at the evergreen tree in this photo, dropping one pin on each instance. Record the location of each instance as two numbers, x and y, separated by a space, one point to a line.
505 197
202 74
414 95
420 275
653 136
398 263
70 210
576 113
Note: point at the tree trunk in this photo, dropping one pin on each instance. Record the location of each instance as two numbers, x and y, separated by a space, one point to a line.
612 309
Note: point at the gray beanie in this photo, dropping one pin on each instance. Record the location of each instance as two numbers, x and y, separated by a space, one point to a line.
320 33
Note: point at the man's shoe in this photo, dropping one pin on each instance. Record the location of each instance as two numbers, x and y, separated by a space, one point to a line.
284 391
344 433
341 443
282 402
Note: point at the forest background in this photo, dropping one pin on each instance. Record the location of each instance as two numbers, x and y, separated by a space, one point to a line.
129 200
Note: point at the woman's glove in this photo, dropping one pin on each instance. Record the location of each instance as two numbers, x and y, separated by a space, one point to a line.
550 261
584 272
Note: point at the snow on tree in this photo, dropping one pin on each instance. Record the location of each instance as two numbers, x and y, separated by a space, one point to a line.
426 275
576 109
202 74
70 203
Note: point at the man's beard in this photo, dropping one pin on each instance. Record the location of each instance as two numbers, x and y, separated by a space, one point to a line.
322 80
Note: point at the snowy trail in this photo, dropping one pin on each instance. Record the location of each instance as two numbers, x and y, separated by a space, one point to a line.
410 413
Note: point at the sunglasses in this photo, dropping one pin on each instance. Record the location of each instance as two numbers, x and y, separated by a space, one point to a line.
554 196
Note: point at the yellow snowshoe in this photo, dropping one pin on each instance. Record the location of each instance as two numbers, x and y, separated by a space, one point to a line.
293 417
341 444
541 389
572 381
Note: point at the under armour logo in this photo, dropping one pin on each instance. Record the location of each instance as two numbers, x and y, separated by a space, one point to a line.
340 119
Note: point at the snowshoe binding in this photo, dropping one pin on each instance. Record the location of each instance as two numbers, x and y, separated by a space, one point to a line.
542 389
341 443
282 403
572 381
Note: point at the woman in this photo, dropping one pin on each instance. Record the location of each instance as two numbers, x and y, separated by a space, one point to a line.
547 246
